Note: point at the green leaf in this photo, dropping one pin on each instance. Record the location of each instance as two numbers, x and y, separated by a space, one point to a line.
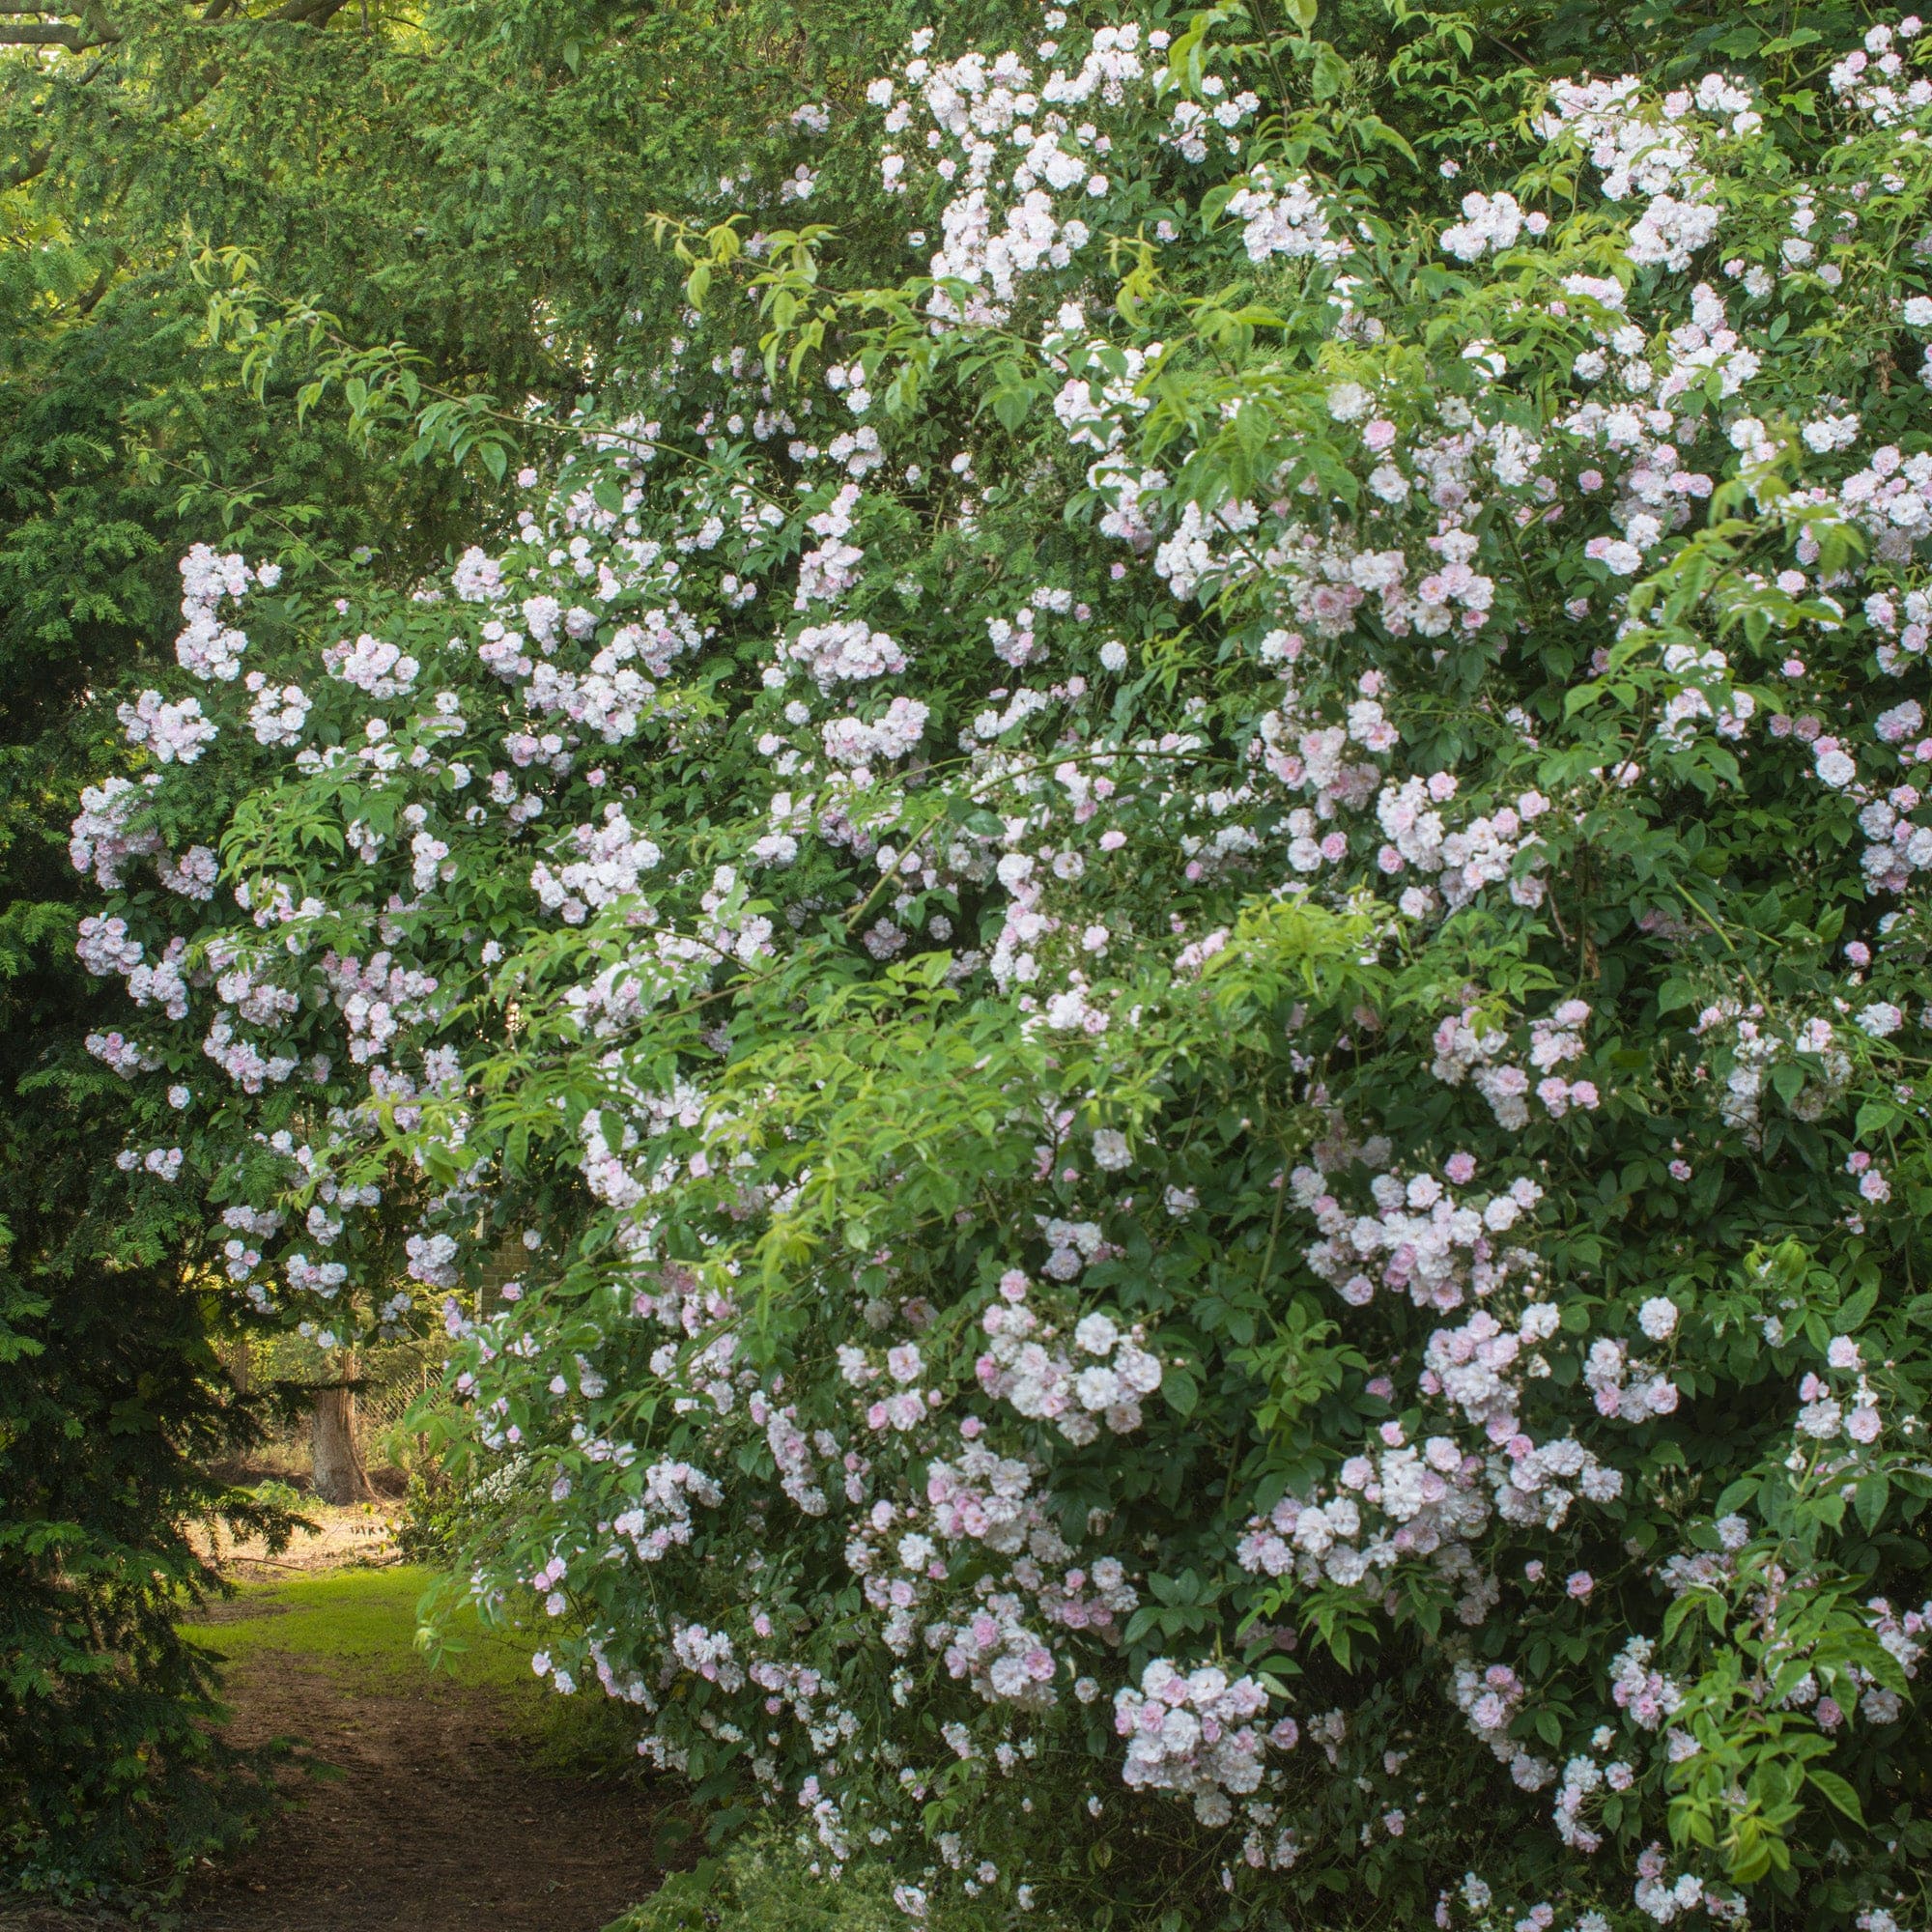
1839 1793
1328 76
1010 406
1870 1500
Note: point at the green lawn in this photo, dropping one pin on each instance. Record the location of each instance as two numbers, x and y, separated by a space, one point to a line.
363 1626
366 1621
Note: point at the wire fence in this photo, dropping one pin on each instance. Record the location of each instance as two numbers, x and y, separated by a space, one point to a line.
393 1378
389 1381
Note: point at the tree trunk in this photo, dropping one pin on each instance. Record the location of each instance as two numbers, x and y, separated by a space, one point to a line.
338 1474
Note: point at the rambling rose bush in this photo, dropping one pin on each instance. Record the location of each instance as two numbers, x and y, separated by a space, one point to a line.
1187 968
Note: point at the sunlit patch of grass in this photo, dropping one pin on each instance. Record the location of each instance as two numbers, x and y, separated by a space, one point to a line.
361 1625
362 1618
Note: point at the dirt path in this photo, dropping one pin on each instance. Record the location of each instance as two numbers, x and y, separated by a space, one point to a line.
439 1819
437 1823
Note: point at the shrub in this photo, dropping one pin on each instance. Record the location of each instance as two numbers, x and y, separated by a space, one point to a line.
111 1784
1192 956
763 1885
432 1508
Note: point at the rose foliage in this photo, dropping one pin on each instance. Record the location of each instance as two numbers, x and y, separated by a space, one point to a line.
1187 962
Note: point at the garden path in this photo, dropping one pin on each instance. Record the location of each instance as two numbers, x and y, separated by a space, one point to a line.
438 1815
462 1799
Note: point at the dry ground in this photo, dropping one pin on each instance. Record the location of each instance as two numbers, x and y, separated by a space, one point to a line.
354 1533
438 1821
